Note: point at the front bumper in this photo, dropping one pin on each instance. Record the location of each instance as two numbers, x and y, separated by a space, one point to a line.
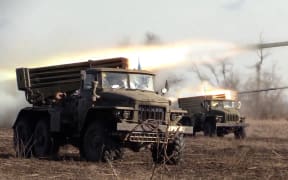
146 128
150 133
143 133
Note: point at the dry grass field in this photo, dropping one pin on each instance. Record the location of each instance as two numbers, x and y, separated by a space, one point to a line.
263 155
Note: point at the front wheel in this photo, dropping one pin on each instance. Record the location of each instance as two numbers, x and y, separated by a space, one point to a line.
220 132
98 146
173 154
175 150
209 128
240 133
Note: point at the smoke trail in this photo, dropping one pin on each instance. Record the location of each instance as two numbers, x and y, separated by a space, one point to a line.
11 102
171 62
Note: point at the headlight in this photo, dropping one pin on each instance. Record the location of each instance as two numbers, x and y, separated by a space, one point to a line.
126 114
117 114
122 114
219 118
175 117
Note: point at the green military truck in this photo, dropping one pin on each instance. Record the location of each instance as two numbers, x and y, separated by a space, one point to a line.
214 114
99 107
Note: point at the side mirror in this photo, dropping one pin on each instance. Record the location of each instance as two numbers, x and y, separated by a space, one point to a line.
205 106
202 104
239 105
95 96
164 91
208 107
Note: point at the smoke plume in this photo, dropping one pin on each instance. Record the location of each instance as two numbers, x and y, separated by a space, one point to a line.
172 62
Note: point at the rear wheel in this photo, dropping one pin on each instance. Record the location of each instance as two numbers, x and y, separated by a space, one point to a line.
44 146
240 133
23 138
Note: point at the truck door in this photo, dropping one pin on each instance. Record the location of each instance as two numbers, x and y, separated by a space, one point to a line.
85 99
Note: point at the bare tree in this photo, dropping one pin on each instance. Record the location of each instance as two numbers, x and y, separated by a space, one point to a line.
222 73
232 81
201 76
260 81
214 72
151 39
224 70
265 105
258 68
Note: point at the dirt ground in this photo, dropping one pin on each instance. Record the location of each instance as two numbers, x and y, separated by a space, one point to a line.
263 155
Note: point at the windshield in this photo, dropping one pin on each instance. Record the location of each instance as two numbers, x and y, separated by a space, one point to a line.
223 104
117 80
141 81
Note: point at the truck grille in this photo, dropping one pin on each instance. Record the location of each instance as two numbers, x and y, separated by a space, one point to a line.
151 112
232 117
145 137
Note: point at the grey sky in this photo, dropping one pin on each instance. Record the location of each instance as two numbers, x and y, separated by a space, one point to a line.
31 30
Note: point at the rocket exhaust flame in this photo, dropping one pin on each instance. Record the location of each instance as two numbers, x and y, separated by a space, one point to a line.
163 59
152 57
204 89
156 57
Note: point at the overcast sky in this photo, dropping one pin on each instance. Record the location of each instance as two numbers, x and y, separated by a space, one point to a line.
34 30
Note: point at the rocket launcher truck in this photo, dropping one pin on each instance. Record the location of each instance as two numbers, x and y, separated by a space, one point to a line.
214 114
99 107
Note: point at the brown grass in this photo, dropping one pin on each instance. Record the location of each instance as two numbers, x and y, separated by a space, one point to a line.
263 155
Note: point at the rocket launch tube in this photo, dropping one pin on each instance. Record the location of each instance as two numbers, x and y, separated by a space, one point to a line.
268 45
262 90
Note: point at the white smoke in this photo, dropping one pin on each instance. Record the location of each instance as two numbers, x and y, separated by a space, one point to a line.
172 62
11 102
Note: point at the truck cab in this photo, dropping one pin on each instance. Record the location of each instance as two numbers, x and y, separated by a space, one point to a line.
129 95
214 114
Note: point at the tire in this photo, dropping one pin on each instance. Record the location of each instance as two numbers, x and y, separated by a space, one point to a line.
119 153
158 154
186 121
174 151
43 145
209 128
23 138
98 146
220 132
196 125
240 133
112 149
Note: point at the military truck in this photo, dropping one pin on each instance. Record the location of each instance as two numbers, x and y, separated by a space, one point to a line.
99 107
214 114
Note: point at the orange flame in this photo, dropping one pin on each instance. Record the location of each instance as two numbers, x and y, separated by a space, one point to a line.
205 89
156 57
